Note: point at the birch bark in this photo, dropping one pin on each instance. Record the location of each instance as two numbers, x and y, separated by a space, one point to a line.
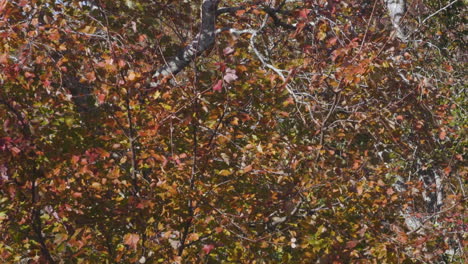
396 11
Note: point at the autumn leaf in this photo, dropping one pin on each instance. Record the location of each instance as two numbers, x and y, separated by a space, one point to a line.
218 87
247 169
15 150
114 173
230 75
101 98
75 159
352 244
131 240
240 12
3 58
96 185
442 135
77 195
303 13
359 189
207 248
228 51
316 138
90 76
131 75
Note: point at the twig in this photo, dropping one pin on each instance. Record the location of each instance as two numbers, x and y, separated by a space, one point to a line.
440 10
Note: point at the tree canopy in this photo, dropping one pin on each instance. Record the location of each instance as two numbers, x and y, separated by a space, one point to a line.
209 131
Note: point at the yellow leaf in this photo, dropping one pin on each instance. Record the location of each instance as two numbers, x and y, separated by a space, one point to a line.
224 173
131 76
156 95
114 174
96 185
321 35
235 121
89 30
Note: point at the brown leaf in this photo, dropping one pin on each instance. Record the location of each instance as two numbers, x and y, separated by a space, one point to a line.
351 244
247 169
442 135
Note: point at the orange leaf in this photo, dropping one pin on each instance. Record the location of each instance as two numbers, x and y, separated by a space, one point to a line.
447 170
15 150
131 240
247 169
359 190
3 58
75 159
90 76
240 12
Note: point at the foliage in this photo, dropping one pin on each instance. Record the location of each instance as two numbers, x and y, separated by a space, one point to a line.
317 138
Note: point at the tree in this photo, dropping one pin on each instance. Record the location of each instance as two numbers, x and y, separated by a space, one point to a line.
232 131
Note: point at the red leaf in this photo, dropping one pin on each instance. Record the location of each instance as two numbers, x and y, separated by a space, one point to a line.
46 83
218 87
101 97
303 13
207 248
221 66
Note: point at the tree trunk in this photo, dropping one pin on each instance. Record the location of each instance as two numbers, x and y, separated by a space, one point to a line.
396 11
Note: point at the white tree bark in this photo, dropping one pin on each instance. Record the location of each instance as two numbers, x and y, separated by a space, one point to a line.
396 11
204 40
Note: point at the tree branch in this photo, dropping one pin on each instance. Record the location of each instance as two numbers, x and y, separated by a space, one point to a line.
203 41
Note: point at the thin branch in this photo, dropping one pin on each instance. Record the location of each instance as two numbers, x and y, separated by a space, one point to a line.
191 209
37 224
440 10
205 39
